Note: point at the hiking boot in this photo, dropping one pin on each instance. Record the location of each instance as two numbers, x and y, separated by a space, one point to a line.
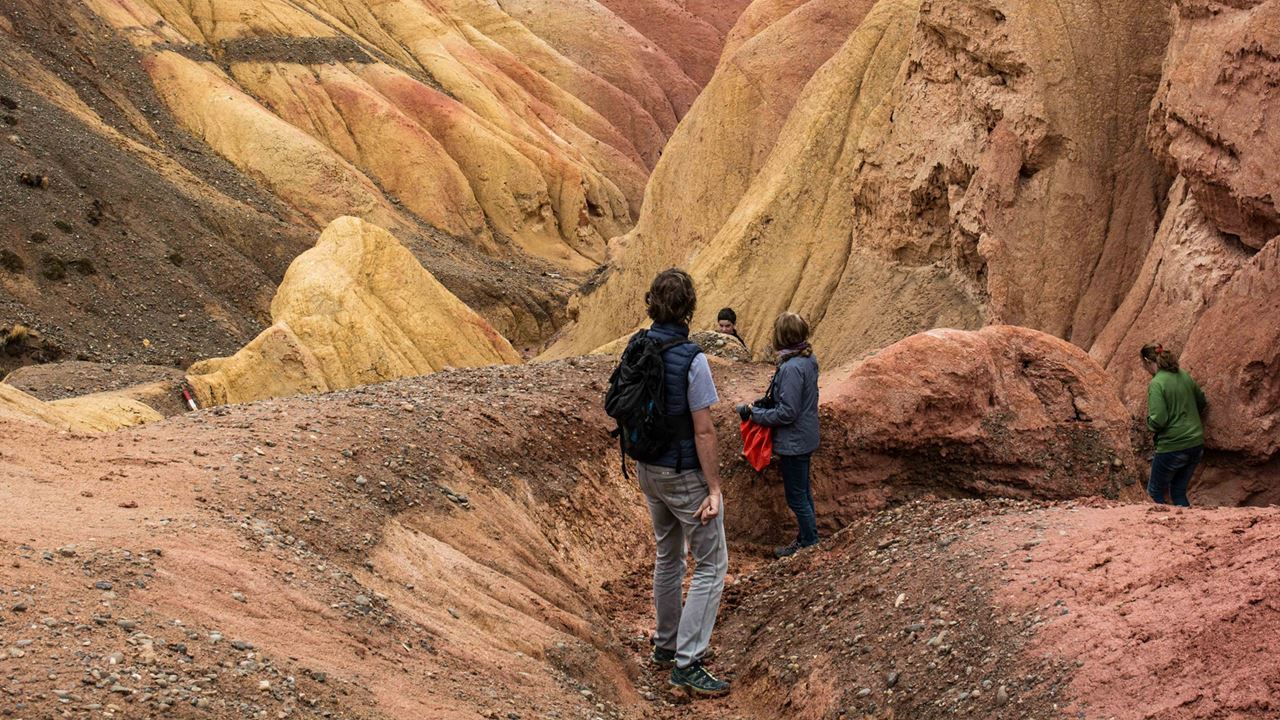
792 549
698 681
663 658
787 550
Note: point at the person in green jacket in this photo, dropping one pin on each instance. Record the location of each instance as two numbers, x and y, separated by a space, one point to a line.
1174 404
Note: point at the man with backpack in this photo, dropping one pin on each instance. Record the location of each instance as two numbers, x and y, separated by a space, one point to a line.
660 395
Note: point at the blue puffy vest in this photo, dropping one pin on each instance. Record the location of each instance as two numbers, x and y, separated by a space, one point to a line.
675 363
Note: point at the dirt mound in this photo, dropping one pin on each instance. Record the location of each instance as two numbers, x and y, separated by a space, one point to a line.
943 150
356 309
56 381
99 412
721 346
93 397
1102 583
367 554
894 617
1012 610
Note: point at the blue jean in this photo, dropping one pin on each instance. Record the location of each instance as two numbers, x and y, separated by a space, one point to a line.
1171 474
795 478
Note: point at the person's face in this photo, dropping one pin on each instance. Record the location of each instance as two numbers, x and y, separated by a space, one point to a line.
1150 366
726 327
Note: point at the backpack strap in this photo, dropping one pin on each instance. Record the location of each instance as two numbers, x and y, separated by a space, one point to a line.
622 448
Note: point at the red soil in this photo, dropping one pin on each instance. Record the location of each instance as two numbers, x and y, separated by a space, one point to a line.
327 540
1172 613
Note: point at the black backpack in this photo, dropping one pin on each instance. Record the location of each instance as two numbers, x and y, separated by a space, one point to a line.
637 400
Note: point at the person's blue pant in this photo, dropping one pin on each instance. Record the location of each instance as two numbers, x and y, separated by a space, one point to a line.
1171 474
795 478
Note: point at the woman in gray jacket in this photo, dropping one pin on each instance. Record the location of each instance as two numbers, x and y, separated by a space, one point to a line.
791 409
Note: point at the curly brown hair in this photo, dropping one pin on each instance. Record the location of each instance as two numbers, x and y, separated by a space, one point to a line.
671 298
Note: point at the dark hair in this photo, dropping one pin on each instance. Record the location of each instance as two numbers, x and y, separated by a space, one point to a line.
671 298
727 314
1164 359
789 330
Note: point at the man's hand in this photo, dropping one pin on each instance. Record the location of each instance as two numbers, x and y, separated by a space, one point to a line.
744 411
704 437
709 508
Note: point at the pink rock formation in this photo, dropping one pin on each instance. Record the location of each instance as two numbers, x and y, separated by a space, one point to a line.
1209 288
1209 119
1001 412
691 39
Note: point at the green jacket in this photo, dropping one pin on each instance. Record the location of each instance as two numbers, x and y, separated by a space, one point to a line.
1174 404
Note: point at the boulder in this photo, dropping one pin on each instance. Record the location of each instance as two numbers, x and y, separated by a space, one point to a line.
1003 412
356 309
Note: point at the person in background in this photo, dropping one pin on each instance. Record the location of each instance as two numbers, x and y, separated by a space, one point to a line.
793 415
1174 405
727 323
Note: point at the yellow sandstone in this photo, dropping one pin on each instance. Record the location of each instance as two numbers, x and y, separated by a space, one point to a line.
357 308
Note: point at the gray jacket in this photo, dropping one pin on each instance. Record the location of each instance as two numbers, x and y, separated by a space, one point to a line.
794 418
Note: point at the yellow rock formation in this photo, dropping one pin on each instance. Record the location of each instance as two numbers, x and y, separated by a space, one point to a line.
100 412
948 166
305 173
503 142
537 119
357 308
714 158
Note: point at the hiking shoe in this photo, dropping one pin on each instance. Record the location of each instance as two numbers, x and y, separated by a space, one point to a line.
663 658
697 680
787 550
